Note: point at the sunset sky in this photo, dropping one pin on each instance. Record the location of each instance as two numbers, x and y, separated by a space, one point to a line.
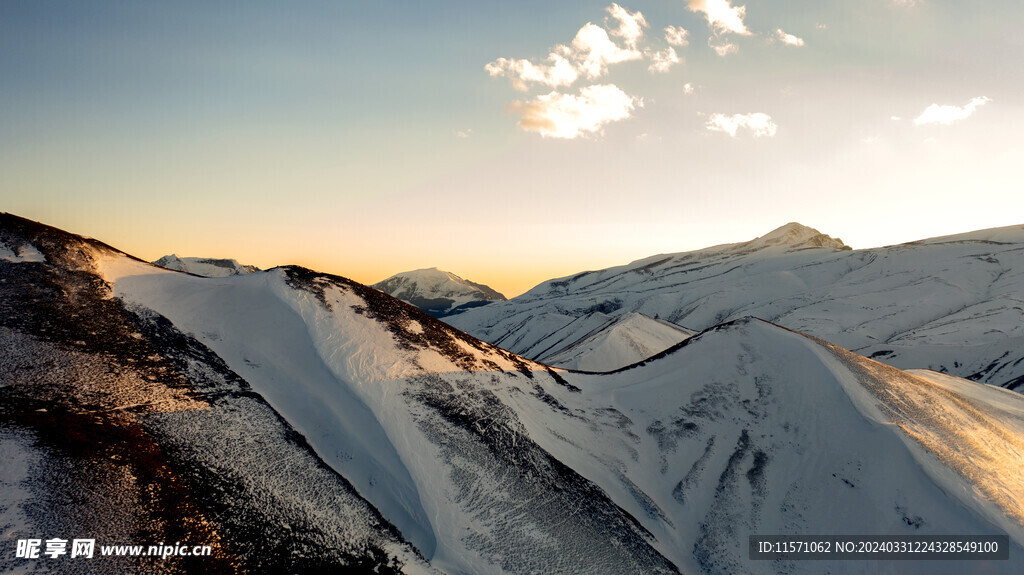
507 142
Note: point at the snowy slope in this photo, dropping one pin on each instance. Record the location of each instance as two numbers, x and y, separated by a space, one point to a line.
206 267
752 429
406 409
437 292
953 304
621 340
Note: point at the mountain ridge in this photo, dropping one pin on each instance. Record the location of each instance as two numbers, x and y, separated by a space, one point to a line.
949 304
206 267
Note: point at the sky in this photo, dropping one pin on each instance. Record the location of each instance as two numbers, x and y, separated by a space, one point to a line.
507 142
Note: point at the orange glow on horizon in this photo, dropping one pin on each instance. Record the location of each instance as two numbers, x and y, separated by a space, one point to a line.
507 262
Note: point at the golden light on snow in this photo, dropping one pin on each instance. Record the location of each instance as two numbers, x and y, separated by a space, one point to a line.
971 434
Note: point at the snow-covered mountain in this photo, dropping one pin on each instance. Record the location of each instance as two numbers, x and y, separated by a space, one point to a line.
117 426
614 342
749 428
438 292
312 423
302 422
790 237
206 267
953 304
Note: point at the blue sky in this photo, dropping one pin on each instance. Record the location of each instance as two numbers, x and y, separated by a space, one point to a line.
367 139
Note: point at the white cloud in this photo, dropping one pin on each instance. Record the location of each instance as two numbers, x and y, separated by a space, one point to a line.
689 89
630 26
558 71
589 55
946 115
662 61
821 26
722 16
557 115
677 36
593 51
722 47
757 123
788 39
464 133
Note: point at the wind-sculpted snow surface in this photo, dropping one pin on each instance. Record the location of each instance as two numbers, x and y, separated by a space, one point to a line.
974 430
952 304
618 341
749 428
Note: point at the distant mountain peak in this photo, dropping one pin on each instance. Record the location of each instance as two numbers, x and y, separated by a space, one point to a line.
169 261
438 292
792 229
208 267
795 236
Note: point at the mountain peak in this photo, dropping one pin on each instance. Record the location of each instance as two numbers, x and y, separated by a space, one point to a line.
795 236
436 291
792 228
